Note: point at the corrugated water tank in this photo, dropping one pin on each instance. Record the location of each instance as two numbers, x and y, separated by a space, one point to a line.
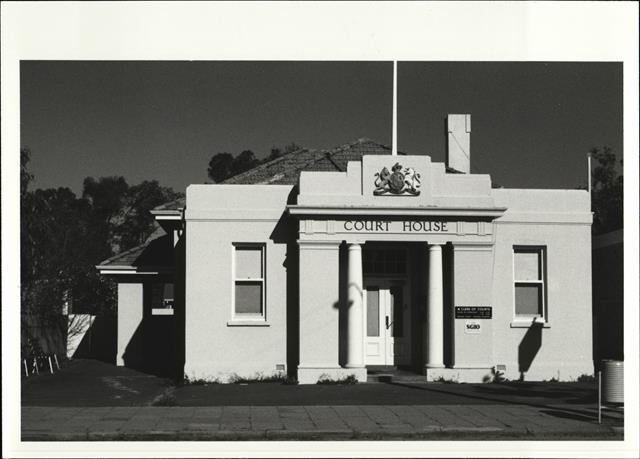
612 381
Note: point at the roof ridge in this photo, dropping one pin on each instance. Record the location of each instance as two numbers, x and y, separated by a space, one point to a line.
265 164
360 141
126 252
330 158
321 155
147 241
164 204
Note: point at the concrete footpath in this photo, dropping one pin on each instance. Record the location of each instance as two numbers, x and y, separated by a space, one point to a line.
334 422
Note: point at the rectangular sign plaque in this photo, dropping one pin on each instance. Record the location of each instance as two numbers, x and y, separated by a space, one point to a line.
473 312
472 327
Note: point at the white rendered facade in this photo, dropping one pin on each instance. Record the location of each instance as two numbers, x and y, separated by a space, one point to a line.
462 244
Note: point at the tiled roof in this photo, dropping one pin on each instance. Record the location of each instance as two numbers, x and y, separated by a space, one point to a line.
285 170
172 205
156 251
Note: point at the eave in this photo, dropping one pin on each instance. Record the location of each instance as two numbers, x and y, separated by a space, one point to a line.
174 214
477 212
129 270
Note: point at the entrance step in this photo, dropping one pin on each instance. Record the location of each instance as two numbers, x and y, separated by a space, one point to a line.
389 374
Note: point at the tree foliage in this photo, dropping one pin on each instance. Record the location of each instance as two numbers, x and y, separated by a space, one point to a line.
243 162
606 192
63 237
220 167
135 223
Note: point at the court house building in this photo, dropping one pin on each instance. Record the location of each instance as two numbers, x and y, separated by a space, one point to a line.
326 264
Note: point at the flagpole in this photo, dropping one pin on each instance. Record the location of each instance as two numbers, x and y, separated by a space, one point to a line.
394 128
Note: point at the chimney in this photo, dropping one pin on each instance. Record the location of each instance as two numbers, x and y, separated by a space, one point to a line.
459 143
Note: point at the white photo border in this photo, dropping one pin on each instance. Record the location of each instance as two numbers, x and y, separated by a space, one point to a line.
385 31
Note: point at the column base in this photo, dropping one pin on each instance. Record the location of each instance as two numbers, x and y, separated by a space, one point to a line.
311 375
434 365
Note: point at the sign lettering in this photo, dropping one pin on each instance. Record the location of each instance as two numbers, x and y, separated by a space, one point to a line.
413 226
473 312
472 327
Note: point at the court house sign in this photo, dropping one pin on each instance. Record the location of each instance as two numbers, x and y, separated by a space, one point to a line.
415 226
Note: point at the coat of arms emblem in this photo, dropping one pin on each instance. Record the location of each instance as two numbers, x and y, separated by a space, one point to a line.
401 180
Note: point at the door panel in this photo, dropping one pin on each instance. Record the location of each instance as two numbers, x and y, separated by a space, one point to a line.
375 340
388 323
400 348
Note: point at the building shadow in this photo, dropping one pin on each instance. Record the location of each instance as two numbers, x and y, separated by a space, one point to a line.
528 348
342 304
153 347
99 337
285 232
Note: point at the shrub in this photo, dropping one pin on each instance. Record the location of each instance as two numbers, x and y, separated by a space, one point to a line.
258 378
326 379
586 378
443 380
290 381
199 381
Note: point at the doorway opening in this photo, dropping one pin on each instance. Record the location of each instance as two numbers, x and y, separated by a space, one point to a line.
388 306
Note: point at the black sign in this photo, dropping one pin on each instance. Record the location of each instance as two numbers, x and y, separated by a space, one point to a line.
473 312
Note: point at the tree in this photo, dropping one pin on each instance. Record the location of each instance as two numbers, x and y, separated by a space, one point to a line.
291 148
63 237
25 176
135 222
105 197
606 192
220 167
276 152
224 165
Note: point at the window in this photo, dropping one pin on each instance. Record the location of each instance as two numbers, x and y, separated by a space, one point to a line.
248 285
529 277
162 299
384 261
373 311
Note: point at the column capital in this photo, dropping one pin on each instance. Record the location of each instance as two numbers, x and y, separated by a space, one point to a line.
472 246
319 245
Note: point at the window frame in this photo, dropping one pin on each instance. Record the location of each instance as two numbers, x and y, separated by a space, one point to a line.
384 251
543 316
248 317
160 308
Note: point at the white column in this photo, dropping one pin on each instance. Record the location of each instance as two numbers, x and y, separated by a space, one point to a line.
355 313
434 326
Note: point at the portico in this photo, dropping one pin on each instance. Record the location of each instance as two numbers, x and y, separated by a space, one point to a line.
320 272
422 220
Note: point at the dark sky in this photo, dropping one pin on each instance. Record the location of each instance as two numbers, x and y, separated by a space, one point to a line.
532 123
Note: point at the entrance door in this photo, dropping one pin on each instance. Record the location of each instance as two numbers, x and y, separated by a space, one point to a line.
388 322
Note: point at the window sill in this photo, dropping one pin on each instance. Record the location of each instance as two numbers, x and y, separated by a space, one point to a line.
528 323
248 323
161 311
